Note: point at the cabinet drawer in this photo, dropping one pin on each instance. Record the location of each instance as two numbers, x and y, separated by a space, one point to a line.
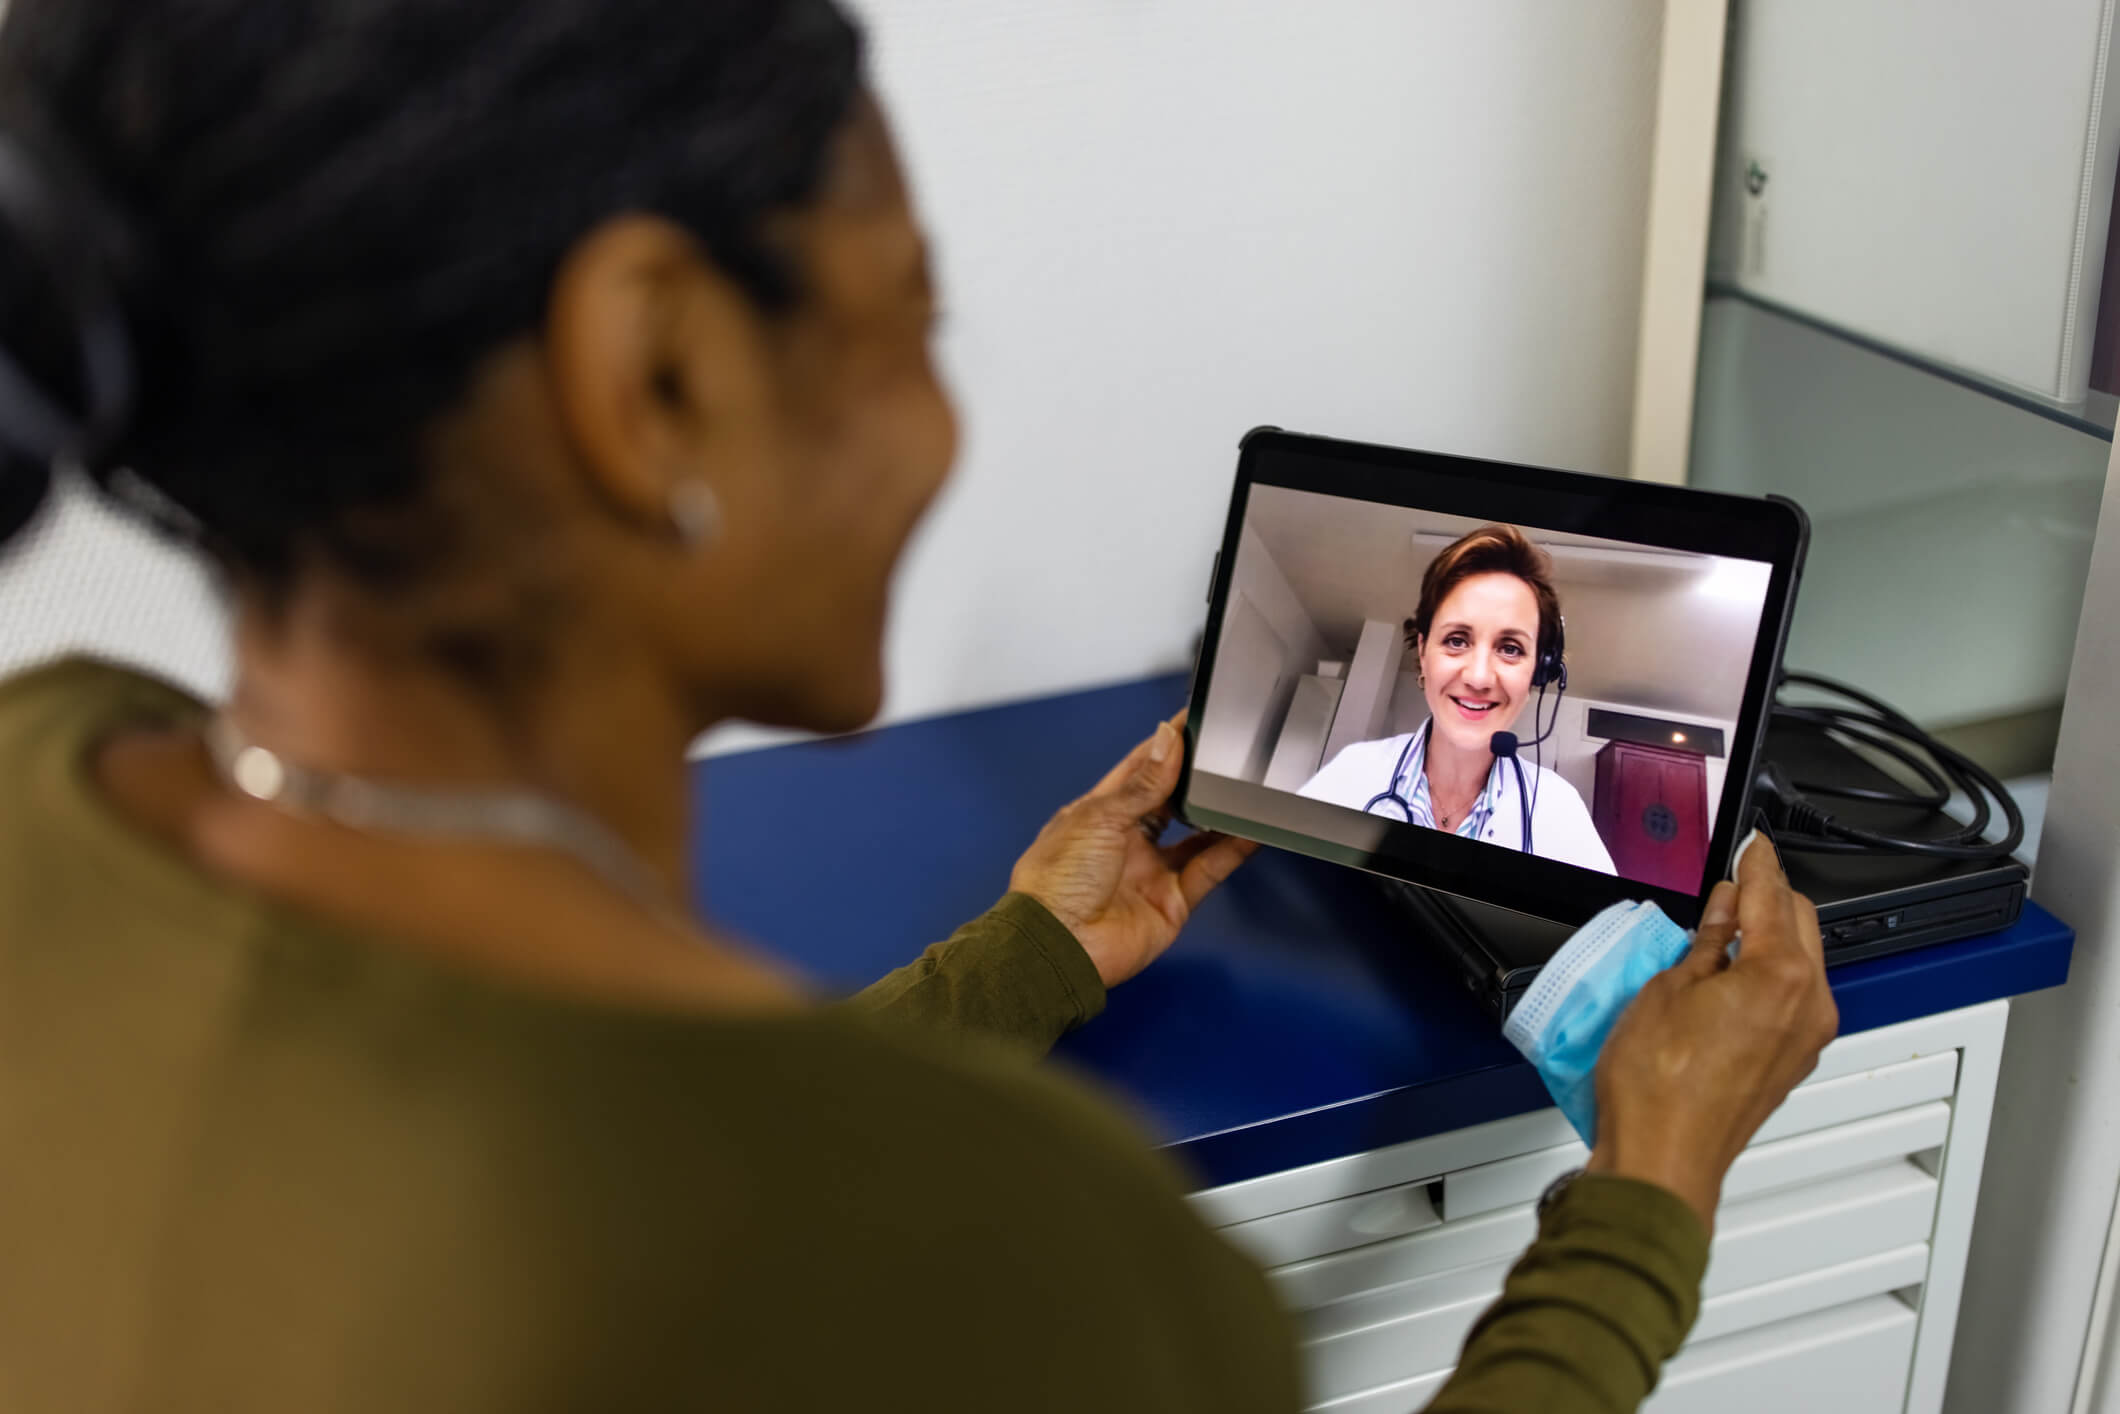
1813 1107
1825 1103
1757 1240
1762 1305
1788 1162
1818 1225
1420 1326
1403 1330
1366 1218
1847 1360
1335 1226
1422 1160
1764 1166
1415 1161
1500 1236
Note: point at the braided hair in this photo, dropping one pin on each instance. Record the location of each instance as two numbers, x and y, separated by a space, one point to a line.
251 249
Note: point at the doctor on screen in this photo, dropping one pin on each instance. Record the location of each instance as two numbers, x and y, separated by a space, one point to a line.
1488 636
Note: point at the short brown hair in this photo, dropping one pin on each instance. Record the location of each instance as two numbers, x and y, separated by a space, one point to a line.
1492 549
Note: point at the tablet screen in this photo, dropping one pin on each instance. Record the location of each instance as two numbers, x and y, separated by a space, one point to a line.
1381 672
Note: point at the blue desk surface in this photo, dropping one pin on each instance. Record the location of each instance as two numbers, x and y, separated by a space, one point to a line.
1296 1020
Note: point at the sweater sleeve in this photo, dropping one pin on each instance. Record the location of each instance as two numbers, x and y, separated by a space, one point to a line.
1015 973
1592 1311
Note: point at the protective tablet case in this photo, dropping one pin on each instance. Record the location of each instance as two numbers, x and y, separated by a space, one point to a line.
1683 522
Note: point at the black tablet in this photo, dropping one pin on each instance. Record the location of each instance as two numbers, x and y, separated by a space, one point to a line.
1535 688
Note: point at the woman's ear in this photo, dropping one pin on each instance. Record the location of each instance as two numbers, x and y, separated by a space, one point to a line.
656 362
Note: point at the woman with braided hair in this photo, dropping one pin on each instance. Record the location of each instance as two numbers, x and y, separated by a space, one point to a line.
546 381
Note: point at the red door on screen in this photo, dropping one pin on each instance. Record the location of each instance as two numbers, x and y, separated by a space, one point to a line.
1651 808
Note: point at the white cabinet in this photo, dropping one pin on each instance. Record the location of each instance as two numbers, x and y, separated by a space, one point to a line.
1937 177
1833 1282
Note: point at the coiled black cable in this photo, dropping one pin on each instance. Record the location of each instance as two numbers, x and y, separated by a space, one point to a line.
1800 822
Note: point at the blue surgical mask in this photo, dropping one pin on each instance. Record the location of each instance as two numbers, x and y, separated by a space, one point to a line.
1562 1022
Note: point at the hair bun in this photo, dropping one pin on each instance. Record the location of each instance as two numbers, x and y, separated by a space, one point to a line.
67 367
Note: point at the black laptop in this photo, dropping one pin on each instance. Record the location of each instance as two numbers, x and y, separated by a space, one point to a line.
1868 904
1871 904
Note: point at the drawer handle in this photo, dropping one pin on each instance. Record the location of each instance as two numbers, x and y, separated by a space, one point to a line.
1393 1212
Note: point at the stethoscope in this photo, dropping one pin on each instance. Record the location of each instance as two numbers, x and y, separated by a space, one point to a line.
1503 745
1394 794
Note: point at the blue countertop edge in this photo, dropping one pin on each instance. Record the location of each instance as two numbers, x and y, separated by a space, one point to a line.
2030 956
1297 1021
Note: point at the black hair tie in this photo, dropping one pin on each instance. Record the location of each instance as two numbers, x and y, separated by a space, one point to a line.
69 236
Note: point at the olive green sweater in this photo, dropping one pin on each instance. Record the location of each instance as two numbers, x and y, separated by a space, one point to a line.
250 1161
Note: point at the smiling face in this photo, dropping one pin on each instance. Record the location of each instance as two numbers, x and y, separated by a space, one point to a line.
1477 659
865 434
821 431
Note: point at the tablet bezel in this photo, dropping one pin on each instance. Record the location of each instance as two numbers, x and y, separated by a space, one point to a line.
1770 530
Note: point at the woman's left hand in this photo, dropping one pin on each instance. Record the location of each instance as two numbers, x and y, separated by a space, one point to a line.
1097 867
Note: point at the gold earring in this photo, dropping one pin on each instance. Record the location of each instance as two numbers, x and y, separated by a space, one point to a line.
695 512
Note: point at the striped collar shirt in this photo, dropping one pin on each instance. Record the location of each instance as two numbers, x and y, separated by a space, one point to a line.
1421 807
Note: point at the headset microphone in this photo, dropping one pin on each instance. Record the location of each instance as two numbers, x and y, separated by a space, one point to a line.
1503 745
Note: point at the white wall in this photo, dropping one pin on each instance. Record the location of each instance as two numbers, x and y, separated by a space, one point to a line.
1372 676
2053 1168
1257 576
1408 707
83 579
1252 691
1161 223
1300 745
1268 642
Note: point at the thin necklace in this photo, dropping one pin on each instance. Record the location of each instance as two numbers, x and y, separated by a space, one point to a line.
1443 818
493 816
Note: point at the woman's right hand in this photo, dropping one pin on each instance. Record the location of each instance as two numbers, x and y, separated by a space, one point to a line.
1710 1047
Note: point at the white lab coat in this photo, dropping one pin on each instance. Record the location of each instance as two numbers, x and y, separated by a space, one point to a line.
1561 828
